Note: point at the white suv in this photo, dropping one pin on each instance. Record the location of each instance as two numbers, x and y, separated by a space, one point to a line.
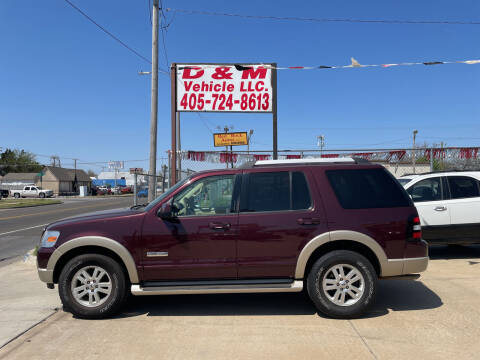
449 206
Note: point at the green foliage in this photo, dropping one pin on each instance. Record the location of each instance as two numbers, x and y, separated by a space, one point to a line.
18 161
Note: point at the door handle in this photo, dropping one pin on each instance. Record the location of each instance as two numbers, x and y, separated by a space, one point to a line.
219 226
308 221
440 208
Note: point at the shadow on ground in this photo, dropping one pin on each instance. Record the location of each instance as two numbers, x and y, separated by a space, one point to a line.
444 252
395 295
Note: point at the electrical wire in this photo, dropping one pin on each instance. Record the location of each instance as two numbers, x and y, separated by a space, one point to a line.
322 20
112 35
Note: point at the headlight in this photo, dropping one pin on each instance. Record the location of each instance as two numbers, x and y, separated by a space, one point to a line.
49 238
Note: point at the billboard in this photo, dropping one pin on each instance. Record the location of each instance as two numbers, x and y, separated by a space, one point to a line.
229 139
224 87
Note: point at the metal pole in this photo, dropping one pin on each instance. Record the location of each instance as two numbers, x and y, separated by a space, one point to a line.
173 117
415 132
135 189
431 159
154 106
164 169
274 110
231 154
179 147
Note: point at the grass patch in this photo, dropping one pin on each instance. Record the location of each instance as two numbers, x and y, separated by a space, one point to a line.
19 203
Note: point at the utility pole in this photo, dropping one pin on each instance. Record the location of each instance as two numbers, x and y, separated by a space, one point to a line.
250 134
75 172
321 143
179 148
152 181
415 132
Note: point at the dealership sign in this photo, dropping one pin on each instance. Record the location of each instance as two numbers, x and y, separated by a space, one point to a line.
224 87
229 139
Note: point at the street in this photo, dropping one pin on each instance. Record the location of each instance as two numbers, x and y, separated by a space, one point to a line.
20 229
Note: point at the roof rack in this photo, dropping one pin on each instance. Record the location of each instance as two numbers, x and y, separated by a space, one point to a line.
318 161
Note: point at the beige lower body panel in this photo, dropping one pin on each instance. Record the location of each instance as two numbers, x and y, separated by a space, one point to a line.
396 267
295 286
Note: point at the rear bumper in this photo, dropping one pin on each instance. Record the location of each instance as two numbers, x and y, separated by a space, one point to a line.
396 267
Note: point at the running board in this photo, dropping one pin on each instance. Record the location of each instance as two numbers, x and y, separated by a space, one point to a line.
232 288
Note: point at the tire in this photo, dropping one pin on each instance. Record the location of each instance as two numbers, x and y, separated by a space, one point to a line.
325 287
71 276
16 196
41 195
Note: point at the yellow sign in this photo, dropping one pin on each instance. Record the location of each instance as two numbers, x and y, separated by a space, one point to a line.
229 139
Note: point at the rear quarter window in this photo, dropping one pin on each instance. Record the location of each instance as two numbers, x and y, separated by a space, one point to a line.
367 188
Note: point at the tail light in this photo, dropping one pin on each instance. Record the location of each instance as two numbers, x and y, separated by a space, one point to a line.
417 228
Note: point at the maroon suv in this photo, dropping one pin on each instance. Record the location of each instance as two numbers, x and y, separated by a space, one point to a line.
333 227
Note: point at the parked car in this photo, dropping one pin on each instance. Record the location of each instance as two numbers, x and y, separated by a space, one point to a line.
31 191
449 206
142 193
405 179
4 193
333 227
126 190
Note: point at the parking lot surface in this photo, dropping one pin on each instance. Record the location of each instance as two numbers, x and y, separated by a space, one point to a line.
436 317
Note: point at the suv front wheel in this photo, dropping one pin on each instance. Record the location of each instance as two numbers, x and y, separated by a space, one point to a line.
92 286
342 284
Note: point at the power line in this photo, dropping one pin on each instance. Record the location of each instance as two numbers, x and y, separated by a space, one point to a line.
345 20
110 34
164 30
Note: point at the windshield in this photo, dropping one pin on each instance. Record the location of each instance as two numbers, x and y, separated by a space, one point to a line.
404 181
166 194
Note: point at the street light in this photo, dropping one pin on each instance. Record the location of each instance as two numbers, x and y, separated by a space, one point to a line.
321 143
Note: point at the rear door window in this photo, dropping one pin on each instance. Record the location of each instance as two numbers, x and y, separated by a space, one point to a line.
367 188
276 191
462 187
426 190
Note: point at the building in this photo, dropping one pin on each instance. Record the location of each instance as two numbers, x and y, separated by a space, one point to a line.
64 181
121 175
14 181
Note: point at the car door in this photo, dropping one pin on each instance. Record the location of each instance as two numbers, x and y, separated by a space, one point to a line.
464 206
429 196
277 217
26 191
33 192
200 242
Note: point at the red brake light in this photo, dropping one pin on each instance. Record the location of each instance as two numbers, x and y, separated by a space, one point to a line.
417 228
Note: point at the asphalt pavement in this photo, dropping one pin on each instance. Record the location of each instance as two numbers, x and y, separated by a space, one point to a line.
20 229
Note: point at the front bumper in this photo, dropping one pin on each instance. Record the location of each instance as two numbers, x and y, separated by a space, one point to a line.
45 275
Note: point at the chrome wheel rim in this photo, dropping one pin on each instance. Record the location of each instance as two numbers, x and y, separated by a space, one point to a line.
343 284
91 286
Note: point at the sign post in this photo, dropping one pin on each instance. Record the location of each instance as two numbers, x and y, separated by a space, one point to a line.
235 88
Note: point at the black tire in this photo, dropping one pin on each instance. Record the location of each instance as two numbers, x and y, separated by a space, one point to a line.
114 301
321 270
41 195
16 196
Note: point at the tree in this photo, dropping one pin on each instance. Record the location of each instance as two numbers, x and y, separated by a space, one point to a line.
18 161
91 173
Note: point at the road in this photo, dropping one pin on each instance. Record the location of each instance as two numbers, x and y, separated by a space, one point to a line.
20 229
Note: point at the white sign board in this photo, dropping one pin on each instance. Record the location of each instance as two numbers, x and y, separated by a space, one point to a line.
224 87
115 165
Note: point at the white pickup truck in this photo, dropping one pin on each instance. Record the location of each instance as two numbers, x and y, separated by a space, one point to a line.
31 191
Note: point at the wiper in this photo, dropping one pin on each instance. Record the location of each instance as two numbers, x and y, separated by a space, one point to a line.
134 207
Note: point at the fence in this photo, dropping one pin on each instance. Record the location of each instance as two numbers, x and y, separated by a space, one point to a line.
398 161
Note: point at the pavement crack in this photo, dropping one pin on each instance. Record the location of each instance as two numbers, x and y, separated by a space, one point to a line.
363 339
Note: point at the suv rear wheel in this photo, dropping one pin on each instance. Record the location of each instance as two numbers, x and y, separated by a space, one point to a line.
342 284
92 286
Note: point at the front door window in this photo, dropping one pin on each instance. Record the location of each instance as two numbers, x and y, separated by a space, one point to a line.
206 197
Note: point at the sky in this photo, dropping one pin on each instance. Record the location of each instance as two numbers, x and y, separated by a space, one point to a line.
68 89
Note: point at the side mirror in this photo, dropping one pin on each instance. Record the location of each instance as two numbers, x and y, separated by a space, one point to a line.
167 211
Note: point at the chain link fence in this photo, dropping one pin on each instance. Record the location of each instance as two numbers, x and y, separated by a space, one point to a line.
399 162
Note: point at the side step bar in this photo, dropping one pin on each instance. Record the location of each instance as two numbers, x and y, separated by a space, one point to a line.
232 288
